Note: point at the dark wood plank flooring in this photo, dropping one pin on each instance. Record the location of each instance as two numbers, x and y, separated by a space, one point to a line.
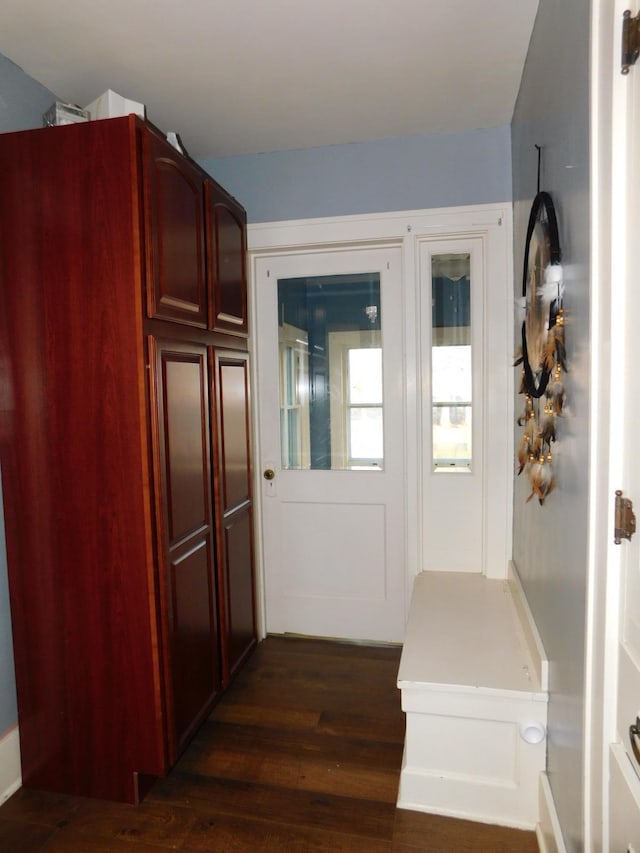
303 754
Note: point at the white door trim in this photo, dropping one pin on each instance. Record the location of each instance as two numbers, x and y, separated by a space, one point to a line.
406 228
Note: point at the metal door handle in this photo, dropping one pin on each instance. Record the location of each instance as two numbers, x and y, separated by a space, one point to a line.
268 473
634 735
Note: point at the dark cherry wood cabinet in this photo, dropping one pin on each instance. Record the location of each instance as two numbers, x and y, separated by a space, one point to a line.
124 442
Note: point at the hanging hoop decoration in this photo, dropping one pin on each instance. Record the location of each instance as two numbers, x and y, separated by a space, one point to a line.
541 282
542 355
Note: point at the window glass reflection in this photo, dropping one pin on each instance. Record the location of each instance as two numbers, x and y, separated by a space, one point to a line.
331 394
451 361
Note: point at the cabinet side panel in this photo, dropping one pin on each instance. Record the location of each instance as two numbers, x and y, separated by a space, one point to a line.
77 480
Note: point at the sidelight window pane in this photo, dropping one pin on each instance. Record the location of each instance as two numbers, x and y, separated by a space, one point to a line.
451 361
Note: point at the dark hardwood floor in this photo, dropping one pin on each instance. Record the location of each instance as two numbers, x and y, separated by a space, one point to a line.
303 754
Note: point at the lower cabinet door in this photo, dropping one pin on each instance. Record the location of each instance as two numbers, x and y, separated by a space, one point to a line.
234 508
184 520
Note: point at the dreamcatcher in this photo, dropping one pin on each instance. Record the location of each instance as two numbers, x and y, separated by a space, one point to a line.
542 354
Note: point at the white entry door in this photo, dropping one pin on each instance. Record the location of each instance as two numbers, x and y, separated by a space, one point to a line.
331 442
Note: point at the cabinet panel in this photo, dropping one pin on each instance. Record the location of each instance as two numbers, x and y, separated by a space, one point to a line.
186 446
174 190
238 571
194 653
234 448
185 519
234 508
226 261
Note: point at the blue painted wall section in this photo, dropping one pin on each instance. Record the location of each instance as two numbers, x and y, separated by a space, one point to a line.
410 173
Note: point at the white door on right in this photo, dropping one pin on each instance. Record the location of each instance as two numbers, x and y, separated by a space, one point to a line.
624 781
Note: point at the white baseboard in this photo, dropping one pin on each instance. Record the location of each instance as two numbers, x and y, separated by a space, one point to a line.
10 769
548 831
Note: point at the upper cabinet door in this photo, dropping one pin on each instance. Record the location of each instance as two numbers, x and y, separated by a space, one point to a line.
227 264
174 214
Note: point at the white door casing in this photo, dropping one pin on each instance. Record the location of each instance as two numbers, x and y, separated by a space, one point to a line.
409 232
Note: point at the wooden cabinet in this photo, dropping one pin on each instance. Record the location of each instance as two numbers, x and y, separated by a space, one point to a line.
132 603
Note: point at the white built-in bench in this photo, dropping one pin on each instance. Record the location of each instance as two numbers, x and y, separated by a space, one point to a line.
474 689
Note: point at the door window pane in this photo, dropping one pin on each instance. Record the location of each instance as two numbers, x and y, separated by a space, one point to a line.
451 361
331 395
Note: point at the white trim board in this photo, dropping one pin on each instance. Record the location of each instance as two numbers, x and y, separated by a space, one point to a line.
10 769
548 832
529 628
409 229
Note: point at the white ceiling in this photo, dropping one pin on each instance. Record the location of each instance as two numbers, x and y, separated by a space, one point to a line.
245 76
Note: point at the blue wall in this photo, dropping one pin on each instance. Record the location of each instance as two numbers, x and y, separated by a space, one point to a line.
550 542
22 102
416 172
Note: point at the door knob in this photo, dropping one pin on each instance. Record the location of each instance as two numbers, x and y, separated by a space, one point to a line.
268 473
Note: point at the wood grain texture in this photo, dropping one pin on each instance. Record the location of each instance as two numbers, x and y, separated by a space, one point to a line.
79 536
273 777
226 225
174 221
234 507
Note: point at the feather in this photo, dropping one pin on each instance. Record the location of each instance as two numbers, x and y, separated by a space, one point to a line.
530 427
548 425
546 482
549 351
523 386
542 479
553 274
561 352
534 479
555 394
537 443
523 453
528 409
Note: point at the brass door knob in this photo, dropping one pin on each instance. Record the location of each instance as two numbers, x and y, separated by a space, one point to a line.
268 473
